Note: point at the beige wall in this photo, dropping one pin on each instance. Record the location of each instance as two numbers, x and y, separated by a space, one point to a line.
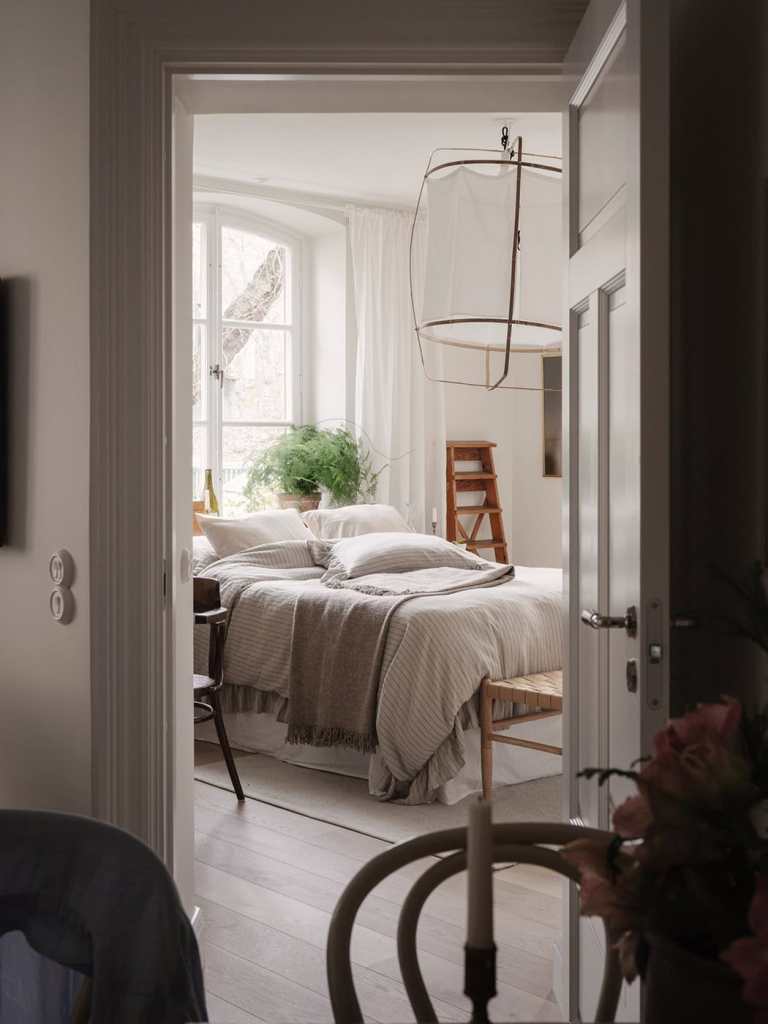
44 667
532 503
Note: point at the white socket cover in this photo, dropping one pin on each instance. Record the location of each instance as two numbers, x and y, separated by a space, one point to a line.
62 605
61 567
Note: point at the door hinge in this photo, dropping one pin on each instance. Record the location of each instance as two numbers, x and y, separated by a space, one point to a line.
165 582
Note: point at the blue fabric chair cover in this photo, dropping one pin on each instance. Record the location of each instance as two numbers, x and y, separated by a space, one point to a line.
34 989
94 899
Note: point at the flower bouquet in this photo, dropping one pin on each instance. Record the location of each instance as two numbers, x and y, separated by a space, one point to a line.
686 873
683 883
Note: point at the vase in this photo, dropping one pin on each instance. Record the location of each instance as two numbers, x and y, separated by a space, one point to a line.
301 502
680 987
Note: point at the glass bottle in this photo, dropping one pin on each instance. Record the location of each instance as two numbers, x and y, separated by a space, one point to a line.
210 501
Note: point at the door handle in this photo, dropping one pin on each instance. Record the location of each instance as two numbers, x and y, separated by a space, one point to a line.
597 621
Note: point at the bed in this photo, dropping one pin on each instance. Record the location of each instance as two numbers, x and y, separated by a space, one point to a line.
433 650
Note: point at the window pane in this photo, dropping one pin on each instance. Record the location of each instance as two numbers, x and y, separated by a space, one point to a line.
199 372
254 274
199 271
254 374
199 457
240 445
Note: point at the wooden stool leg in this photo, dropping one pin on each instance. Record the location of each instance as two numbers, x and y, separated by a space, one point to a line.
221 732
486 743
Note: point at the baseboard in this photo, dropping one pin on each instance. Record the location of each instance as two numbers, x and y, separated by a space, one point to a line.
197 921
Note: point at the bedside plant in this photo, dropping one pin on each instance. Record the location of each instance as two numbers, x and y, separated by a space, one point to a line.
306 460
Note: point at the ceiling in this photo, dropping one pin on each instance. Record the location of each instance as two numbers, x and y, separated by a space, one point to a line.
379 157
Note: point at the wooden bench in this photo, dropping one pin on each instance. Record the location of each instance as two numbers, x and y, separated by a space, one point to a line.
542 691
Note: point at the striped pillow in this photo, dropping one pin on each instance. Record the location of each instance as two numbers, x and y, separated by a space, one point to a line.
352 557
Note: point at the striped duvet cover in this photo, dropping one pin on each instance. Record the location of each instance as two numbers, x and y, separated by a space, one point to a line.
438 649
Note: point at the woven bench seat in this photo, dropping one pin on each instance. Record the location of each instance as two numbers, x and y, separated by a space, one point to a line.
541 692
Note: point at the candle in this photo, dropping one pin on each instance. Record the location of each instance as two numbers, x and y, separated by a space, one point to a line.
480 876
434 515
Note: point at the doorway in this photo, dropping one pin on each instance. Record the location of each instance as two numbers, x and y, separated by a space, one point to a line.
310 223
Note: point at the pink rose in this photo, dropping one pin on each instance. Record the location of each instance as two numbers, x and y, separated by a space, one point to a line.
632 818
600 894
706 722
749 956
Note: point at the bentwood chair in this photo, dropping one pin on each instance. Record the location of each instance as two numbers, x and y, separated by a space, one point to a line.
529 843
209 612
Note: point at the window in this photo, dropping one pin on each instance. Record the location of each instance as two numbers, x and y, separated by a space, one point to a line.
245 347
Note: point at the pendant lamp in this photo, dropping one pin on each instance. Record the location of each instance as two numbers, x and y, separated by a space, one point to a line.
485 263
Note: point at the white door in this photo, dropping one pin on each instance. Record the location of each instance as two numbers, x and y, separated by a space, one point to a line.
617 397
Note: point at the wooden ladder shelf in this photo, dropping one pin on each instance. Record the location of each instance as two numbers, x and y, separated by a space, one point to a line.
478 482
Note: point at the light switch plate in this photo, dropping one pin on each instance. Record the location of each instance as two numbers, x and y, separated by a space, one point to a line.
61 567
62 605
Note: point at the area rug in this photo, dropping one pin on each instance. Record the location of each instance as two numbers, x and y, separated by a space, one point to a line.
342 800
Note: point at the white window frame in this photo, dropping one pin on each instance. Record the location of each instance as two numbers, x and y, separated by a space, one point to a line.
216 217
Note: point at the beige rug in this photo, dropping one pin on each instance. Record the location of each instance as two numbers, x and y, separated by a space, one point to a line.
341 800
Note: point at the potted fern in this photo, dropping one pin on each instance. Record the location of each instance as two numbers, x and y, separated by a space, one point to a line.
308 460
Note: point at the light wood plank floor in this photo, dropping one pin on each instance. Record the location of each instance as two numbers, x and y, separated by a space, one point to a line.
267 880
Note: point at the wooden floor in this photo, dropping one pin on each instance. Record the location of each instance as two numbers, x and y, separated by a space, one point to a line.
267 880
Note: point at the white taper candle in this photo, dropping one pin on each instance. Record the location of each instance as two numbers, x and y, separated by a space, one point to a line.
480 876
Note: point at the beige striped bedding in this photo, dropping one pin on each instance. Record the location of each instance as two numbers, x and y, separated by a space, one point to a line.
437 650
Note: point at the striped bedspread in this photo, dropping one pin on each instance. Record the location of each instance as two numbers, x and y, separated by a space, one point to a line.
438 649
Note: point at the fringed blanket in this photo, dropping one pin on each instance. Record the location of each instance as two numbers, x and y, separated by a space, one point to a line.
337 644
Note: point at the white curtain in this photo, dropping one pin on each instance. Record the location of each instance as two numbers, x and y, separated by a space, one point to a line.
400 413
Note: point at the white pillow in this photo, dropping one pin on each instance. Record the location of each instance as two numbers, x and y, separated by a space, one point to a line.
353 557
353 520
228 536
202 555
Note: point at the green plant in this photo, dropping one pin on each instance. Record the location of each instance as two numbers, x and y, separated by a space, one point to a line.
308 458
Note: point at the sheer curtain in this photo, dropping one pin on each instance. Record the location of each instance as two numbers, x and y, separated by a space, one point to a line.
401 414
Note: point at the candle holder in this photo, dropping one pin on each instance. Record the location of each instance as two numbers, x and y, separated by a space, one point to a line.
480 980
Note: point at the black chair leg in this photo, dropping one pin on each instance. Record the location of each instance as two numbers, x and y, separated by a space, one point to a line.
221 732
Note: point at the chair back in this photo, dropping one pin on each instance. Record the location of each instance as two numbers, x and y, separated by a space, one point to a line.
206 594
523 843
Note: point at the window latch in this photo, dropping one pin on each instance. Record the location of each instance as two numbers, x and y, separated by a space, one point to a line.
217 372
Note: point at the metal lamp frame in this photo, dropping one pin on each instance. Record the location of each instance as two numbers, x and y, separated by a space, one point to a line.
517 157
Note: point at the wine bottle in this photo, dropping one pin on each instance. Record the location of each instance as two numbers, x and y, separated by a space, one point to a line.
210 501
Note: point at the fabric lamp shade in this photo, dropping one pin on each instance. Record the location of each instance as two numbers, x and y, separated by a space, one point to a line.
478 225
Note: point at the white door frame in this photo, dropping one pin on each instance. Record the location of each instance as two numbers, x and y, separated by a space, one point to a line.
133 69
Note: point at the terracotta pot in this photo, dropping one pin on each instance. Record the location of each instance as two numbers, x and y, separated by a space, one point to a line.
301 502
682 988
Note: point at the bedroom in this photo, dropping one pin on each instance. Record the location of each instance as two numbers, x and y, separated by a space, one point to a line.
309 193
259 195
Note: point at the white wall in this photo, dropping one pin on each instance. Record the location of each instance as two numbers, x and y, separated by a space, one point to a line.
45 735
513 419
325 354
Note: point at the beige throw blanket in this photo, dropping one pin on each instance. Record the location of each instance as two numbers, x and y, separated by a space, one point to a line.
333 689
